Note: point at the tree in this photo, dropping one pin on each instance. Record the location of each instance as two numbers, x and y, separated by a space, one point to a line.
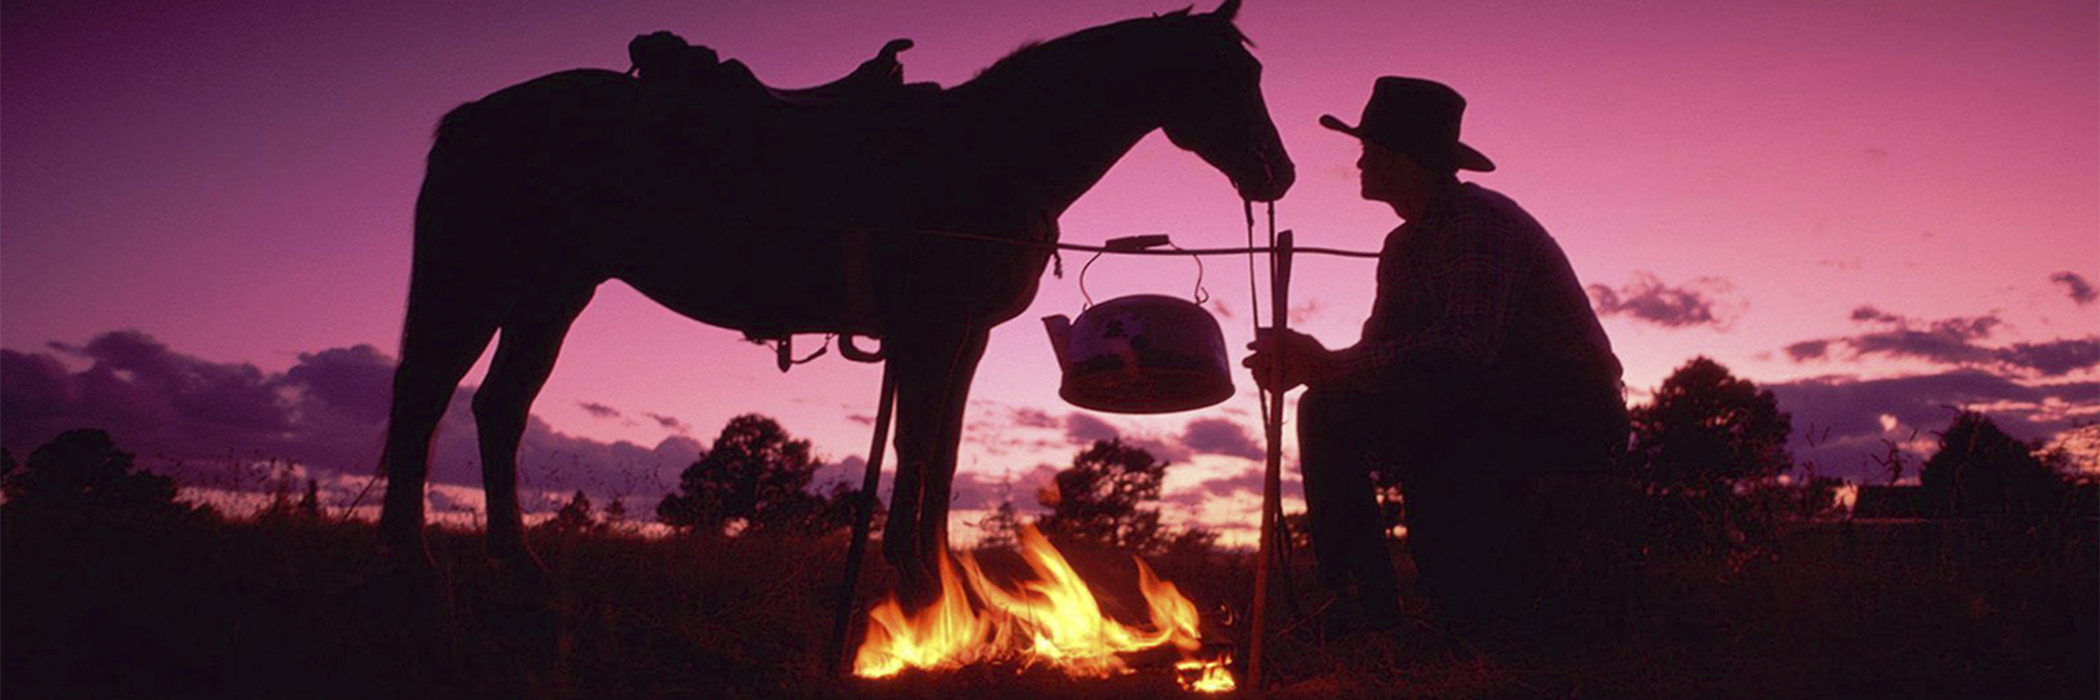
837 508
1706 429
310 504
282 510
1001 529
755 472
1191 540
1980 471
83 471
1706 433
574 518
1096 500
615 517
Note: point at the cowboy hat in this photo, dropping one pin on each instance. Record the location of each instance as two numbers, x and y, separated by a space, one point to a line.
1416 117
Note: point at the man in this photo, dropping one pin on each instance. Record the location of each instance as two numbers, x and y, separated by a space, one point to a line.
1482 373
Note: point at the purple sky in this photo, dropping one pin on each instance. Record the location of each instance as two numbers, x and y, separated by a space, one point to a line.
1877 208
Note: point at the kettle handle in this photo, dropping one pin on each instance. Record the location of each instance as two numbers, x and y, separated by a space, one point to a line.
1129 244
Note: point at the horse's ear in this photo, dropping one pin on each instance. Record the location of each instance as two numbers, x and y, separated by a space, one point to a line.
1227 10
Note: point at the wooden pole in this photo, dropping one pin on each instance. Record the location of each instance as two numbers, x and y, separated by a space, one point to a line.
835 652
1272 477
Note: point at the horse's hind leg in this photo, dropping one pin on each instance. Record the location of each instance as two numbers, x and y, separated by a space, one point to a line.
447 328
532 337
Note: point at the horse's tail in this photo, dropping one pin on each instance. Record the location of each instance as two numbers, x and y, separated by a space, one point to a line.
452 189
441 169
454 131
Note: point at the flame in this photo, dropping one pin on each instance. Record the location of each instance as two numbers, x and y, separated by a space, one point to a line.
1052 619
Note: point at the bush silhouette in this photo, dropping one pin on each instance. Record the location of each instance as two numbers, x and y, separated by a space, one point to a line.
1705 434
1097 501
758 474
1982 472
82 471
575 518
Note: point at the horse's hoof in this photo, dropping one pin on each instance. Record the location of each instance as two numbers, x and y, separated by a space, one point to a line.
521 569
409 595
408 560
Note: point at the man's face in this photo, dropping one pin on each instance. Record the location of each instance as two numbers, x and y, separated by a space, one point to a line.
1388 176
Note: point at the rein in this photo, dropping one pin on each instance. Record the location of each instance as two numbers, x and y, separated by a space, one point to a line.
1272 541
1142 244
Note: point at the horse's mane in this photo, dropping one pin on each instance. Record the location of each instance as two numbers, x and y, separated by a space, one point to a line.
1035 54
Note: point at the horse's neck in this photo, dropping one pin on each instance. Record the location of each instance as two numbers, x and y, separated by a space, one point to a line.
1041 151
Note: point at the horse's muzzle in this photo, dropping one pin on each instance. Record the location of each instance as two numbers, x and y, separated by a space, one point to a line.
1271 188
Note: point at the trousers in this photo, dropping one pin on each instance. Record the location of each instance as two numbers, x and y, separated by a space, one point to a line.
1474 472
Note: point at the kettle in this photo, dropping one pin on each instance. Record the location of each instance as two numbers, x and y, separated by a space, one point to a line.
1145 353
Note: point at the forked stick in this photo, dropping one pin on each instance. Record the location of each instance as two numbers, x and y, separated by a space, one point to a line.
1272 478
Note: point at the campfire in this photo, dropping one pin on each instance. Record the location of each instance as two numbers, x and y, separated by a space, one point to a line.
1050 620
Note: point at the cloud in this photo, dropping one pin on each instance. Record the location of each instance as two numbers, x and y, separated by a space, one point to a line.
2054 358
1242 484
1840 422
1951 341
598 410
1305 312
1084 428
1028 417
1168 450
1699 302
357 380
1808 350
1869 313
669 423
851 471
135 386
327 413
973 490
1220 437
2080 290
1247 480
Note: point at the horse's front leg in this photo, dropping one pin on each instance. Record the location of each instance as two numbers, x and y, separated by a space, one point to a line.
934 370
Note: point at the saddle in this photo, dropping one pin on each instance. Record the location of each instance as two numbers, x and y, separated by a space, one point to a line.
870 117
663 60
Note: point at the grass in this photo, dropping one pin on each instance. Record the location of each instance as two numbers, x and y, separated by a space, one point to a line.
203 608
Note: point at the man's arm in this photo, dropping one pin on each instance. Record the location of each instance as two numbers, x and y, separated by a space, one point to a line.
1304 361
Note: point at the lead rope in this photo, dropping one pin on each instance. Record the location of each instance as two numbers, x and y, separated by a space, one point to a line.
1273 546
1283 527
1271 467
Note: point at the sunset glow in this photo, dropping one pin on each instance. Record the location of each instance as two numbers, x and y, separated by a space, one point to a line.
1876 209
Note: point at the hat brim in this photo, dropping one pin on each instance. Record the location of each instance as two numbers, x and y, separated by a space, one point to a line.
1463 156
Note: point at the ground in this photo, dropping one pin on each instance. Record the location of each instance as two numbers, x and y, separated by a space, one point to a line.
197 607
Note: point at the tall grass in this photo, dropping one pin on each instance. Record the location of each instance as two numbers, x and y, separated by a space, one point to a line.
198 607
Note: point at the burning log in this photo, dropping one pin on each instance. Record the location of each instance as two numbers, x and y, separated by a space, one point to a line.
1050 620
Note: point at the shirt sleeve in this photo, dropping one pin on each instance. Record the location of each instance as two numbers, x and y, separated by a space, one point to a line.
1481 273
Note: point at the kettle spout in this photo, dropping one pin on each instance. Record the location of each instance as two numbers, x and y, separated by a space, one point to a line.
1060 329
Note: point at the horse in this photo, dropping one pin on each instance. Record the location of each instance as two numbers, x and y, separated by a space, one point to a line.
780 216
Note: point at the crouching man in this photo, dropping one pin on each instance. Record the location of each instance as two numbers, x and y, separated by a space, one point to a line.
1482 376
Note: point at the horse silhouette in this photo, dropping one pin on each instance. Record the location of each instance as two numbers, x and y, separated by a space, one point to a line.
776 213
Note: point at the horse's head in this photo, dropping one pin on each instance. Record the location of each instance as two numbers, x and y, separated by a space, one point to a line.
1213 105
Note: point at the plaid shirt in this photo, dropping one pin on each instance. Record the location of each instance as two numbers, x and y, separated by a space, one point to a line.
1476 285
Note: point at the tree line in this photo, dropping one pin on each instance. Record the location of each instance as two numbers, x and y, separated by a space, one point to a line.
1708 454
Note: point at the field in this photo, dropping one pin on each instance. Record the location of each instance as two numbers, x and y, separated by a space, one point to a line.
198 607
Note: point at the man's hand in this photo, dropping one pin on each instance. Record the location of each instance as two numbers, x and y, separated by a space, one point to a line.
1303 359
